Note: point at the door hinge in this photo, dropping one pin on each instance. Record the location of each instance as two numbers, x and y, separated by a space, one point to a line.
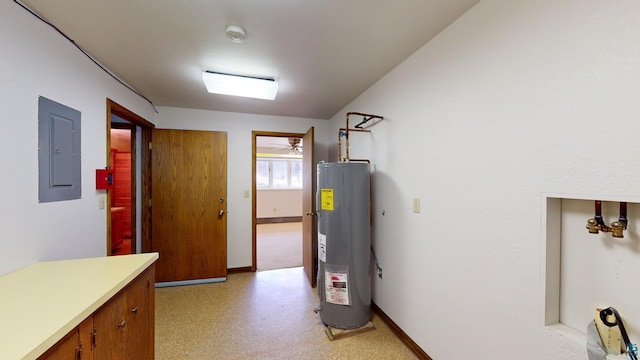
149 202
94 334
79 352
150 146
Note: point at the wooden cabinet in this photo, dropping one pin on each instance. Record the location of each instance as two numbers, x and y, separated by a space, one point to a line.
140 324
67 348
121 196
48 308
122 328
117 229
75 345
109 330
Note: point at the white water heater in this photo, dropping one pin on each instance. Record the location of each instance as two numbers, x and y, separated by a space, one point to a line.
344 243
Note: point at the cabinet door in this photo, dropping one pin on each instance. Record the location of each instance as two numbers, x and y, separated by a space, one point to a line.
86 339
137 300
65 349
75 345
110 330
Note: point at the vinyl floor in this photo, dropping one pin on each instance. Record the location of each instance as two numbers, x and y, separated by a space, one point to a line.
261 315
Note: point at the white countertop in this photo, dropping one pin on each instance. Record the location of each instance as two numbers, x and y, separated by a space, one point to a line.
41 303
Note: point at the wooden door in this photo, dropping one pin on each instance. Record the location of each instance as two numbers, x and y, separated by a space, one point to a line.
309 248
189 204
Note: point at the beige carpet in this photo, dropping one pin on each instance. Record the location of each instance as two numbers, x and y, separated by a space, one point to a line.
278 245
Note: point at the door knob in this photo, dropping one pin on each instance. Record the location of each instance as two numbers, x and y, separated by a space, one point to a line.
311 213
221 212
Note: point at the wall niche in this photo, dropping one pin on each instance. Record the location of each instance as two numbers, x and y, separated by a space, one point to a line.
585 271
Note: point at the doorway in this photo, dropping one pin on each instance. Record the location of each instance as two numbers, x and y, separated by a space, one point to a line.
278 201
120 118
309 240
123 146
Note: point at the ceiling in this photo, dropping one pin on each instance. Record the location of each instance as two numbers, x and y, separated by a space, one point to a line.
324 53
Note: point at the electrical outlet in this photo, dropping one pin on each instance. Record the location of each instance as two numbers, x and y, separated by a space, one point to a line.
102 202
416 205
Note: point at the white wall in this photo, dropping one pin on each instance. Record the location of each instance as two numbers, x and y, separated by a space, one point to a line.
36 61
239 128
515 99
275 203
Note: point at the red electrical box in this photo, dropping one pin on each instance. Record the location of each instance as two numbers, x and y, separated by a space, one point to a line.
104 179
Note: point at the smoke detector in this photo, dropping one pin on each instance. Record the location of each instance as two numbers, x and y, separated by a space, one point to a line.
236 33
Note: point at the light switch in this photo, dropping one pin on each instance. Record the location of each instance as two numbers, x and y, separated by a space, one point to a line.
247 193
416 205
101 202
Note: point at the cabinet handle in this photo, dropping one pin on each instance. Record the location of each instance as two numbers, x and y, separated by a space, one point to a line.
122 324
134 310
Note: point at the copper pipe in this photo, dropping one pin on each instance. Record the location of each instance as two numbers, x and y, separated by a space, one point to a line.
366 117
340 131
623 215
596 224
339 145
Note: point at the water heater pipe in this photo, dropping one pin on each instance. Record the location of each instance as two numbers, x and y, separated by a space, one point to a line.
365 119
341 133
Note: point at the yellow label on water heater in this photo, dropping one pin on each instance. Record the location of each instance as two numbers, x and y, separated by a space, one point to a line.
326 197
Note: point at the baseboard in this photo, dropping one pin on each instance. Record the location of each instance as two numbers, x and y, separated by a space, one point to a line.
278 220
421 354
190 282
239 270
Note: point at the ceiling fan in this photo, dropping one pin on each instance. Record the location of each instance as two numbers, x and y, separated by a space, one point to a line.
279 145
295 146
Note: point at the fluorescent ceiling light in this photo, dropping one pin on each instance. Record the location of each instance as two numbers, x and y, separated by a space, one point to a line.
238 85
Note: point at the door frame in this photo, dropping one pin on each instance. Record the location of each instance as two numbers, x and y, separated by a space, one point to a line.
113 108
254 136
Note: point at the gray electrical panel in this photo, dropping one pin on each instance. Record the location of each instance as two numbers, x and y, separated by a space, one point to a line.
58 152
344 243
